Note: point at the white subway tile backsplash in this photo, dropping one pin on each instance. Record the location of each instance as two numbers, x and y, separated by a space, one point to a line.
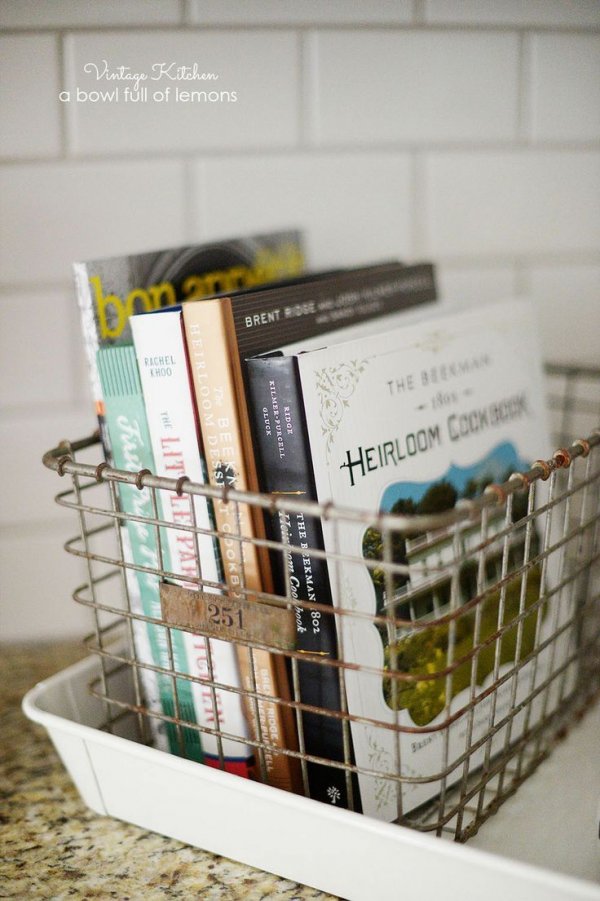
467 286
75 13
28 488
308 12
331 100
568 306
29 106
252 103
36 583
566 87
34 367
54 213
573 13
513 202
414 86
354 208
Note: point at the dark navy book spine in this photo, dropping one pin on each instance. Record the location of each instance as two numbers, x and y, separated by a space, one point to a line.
285 468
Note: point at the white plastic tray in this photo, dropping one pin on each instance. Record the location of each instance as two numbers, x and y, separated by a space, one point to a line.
334 850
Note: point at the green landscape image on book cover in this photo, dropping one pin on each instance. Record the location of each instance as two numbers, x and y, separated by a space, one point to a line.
422 593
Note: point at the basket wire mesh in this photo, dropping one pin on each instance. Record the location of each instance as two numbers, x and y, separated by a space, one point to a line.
503 590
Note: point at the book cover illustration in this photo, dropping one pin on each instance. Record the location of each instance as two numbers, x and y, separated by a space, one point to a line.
424 591
110 291
409 421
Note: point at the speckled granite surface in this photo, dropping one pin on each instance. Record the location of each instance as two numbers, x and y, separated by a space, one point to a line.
53 847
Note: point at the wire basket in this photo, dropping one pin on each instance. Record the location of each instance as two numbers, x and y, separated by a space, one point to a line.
490 618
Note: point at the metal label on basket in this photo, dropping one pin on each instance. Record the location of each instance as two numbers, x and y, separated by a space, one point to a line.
221 616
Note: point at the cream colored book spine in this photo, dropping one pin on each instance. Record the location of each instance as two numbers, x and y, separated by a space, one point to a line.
216 376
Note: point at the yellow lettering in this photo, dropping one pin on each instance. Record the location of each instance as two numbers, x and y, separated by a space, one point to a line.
164 290
215 282
239 277
102 302
191 287
267 267
132 297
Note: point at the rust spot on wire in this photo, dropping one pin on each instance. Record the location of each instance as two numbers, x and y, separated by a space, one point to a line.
524 480
497 491
544 468
99 471
179 486
562 458
62 462
139 478
584 445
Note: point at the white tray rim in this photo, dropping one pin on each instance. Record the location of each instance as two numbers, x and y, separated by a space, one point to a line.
503 873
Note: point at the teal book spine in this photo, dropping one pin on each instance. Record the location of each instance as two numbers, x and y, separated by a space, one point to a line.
130 442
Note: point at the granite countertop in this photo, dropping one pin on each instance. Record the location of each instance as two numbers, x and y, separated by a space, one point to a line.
53 847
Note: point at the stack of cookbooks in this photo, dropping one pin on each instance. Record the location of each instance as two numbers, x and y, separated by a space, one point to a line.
229 364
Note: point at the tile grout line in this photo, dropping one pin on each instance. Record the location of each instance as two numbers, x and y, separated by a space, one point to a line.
302 91
418 202
525 109
190 200
475 28
185 13
522 276
510 146
69 82
62 111
552 259
418 16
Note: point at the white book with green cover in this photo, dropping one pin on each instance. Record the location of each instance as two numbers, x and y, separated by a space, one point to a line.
410 421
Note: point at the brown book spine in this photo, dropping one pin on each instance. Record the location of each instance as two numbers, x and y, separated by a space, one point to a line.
225 434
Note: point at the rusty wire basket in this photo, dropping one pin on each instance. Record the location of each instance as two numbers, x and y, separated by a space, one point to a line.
491 622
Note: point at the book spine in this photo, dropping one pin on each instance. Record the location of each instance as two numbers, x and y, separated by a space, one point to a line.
162 359
284 464
213 358
128 429
157 689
